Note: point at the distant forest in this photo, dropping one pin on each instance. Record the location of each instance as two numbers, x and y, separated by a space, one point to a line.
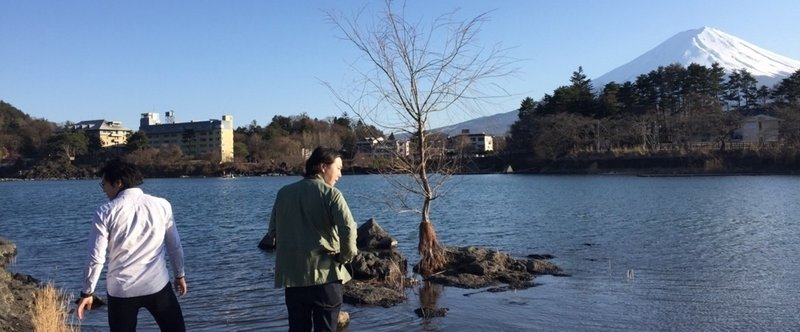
37 148
674 117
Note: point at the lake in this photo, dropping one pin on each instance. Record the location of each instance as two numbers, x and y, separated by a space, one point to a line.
644 254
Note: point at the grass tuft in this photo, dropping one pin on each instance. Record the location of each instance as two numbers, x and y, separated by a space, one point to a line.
51 311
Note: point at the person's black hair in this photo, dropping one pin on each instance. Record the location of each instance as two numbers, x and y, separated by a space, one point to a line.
126 172
320 155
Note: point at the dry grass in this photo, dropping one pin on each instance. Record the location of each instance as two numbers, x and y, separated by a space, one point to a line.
395 279
51 311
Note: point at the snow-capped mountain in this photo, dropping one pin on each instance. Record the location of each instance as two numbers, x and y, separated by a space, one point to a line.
706 46
703 46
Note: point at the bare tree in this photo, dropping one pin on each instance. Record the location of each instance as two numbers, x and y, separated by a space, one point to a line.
413 72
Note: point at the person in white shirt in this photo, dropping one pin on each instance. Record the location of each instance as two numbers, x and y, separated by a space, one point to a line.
133 230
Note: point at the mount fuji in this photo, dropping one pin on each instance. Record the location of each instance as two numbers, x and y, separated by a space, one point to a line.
703 46
706 46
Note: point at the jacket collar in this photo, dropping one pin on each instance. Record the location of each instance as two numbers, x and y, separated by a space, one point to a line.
130 192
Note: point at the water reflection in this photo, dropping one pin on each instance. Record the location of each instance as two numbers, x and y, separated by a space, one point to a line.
429 308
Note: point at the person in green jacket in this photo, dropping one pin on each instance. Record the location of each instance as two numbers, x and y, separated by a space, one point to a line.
315 236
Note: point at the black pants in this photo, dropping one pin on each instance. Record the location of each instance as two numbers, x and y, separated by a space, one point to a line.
319 304
164 307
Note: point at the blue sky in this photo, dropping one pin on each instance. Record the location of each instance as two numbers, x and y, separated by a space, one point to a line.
85 60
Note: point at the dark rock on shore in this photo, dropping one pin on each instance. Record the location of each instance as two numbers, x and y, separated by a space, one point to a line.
17 293
363 292
7 251
267 242
371 236
376 265
379 271
545 256
474 267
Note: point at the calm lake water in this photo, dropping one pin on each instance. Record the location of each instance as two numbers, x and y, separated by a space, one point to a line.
706 253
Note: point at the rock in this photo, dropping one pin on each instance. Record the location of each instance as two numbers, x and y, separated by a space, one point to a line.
267 242
371 236
379 272
379 265
474 267
539 266
25 278
17 294
359 292
7 251
545 256
376 259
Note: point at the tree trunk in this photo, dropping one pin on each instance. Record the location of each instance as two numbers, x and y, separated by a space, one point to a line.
432 258
431 254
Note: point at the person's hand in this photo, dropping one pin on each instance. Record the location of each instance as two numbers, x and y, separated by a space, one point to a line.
180 286
85 303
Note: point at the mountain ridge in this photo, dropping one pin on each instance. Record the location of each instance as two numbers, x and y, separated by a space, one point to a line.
703 46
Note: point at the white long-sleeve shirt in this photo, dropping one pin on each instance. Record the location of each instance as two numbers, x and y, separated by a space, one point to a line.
135 229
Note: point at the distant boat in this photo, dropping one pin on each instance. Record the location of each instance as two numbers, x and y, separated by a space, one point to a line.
228 176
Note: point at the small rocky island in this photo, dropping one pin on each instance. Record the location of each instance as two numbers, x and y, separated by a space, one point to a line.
380 273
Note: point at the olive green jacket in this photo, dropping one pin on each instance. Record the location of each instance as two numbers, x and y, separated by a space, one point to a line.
315 234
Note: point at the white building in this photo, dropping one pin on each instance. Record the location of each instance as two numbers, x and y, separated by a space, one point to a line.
758 129
378 147
479 143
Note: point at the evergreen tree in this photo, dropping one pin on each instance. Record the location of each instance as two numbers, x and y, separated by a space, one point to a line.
697 79
580 98
137 141
732 89
787 92
671 87
521 131
609 103
646 89
749 88
716 80
763 95
628 99
69 144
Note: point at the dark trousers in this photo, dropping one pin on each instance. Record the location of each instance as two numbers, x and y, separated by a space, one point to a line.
164 307
319 304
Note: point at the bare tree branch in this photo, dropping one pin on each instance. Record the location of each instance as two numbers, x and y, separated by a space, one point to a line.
415 71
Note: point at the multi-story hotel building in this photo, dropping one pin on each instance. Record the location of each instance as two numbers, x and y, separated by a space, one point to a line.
110 133
479 143
200 139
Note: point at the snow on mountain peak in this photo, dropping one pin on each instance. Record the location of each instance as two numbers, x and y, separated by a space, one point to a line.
705 46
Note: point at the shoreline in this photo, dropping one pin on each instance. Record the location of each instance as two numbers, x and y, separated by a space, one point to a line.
566 171
17 292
